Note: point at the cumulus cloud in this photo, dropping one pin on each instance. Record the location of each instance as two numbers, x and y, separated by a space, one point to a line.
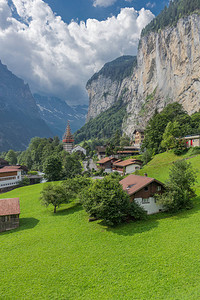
103 3
58 58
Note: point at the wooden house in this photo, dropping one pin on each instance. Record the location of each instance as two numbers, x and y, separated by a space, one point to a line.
9 214
142 190
106 164
127 166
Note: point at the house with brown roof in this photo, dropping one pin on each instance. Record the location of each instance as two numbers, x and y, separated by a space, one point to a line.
106 164
10 176
9 214
127 166
142 190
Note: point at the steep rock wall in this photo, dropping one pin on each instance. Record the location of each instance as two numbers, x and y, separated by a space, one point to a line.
168 70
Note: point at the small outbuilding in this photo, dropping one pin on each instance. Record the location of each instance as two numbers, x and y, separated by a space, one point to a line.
9 214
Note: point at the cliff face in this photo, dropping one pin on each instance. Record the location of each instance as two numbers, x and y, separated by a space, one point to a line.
19 116
168 70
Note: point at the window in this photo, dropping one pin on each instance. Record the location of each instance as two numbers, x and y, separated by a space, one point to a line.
146 188
159 188
145 201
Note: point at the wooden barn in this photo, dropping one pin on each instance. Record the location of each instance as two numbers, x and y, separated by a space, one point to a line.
9 214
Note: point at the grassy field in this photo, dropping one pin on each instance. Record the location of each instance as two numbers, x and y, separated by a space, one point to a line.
63 256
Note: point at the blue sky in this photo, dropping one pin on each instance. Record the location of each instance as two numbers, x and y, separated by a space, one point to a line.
57 45
84 9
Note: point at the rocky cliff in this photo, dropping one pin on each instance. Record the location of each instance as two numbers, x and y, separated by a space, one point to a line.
19 116
168 70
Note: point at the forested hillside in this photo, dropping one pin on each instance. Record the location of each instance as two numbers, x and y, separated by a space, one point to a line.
117 69
104 125
170 15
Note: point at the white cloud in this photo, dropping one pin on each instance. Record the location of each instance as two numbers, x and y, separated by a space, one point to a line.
151 4
103 3
58 58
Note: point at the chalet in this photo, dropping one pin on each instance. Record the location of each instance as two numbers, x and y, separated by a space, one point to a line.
128 151
127 166
101 152
106 164
192 140
9 214
139 137
142 189
10 176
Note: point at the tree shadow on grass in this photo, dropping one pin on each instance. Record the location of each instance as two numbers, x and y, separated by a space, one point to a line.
152 221
132 228
24 224
68 211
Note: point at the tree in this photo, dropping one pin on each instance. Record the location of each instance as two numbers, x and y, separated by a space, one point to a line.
180 187
72 165
105 199
54 195
53 168
11 157
169 135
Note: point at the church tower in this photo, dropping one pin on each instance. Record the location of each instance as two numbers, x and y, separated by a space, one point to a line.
68 139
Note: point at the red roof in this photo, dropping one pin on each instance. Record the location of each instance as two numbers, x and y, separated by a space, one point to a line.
9 207
127 162
105 160
134 183
10 169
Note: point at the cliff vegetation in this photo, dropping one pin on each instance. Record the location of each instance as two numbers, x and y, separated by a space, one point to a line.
170 15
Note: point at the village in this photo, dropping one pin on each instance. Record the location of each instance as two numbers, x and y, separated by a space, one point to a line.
140 189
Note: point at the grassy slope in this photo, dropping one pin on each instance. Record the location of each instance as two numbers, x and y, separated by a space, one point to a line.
63 256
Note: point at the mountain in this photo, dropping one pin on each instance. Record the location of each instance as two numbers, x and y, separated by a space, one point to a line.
19 116
56 112
167 69
107 86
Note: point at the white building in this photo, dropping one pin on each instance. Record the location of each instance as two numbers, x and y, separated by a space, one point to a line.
79 149
127 166
10 176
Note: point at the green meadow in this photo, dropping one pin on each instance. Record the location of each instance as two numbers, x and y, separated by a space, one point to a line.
63 256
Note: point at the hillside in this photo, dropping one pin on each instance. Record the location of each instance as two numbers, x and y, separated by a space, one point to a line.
167 69
103 126
19 116
65 256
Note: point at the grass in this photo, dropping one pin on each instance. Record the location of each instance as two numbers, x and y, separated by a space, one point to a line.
63 256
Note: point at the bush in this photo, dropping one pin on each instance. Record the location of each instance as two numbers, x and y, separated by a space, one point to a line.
179 188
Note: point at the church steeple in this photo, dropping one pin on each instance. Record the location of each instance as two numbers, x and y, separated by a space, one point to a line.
68 139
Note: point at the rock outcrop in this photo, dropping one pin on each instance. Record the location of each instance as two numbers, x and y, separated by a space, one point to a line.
168 70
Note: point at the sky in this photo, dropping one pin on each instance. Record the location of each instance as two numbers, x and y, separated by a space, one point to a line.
57 45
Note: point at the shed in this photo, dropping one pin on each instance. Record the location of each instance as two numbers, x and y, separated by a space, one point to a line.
9 214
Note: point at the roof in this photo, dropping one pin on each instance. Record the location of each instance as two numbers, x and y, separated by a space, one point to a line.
127 162
134 183
101 148
9 206
105 160
138 130
7 169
